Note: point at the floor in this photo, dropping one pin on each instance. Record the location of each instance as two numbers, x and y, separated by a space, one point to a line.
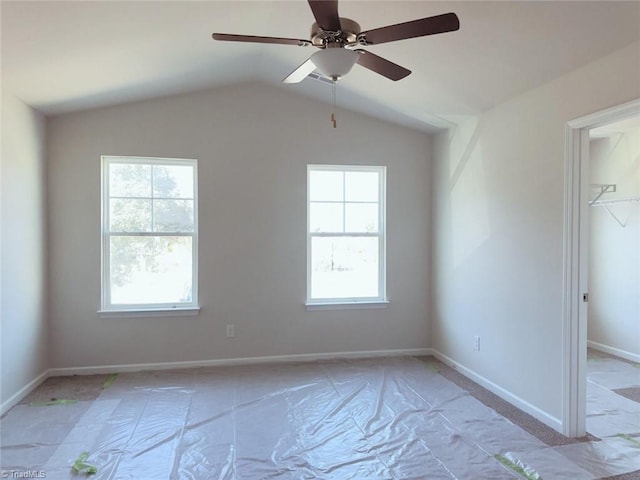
613 395
383 418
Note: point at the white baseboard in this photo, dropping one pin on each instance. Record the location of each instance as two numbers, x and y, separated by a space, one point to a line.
305 357
545 418
523 405
23 392
616 352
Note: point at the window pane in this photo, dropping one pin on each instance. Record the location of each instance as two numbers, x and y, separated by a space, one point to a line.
325 217
127 215
146 270
361 217
326 186
344 267
173 215
361 186
129 180
172 181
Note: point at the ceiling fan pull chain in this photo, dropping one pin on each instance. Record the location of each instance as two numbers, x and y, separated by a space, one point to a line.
333 116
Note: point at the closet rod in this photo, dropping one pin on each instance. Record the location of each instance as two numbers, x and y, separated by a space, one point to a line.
614 200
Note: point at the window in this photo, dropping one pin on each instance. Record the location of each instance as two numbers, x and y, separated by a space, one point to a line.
345 234
149 233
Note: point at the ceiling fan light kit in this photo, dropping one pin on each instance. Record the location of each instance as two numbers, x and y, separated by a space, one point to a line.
334 63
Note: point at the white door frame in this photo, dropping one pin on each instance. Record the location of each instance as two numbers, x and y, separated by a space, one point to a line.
575 252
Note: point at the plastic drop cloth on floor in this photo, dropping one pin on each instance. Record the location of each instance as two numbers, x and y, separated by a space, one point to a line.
609 413
383 418
611 372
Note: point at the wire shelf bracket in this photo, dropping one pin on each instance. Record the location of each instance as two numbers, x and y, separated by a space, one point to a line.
610 188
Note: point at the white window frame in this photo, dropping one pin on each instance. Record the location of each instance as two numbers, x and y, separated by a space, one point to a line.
145 309
358 302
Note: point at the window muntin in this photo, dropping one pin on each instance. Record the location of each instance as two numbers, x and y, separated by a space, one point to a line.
149 233
345 234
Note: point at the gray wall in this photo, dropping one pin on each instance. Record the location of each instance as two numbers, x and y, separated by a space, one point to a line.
497 231
498 224
23 248
253 143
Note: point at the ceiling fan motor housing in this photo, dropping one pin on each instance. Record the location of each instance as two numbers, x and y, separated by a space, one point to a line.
347 35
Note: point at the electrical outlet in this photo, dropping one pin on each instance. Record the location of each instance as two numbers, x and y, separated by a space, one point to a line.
231 330
476 342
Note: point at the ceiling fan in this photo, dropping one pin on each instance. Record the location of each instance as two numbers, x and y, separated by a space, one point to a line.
338 39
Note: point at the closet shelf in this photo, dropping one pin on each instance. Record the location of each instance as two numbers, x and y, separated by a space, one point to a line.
615 200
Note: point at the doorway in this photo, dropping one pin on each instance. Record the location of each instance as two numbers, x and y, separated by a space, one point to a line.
613 323
578 194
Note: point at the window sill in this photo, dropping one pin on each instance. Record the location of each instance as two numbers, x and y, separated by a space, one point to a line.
151 312
347 305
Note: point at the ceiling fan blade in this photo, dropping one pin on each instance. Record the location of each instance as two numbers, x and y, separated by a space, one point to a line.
300 73
326 13
256 39
381 65
447 22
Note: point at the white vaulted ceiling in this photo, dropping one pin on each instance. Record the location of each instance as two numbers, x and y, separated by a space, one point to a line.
65 56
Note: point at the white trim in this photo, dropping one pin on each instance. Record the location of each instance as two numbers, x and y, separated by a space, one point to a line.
347 305
570 379
381 171
23 392
608 115
575 236
106 233
150 312
632 357
305 357
544 417
575 260
137 367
